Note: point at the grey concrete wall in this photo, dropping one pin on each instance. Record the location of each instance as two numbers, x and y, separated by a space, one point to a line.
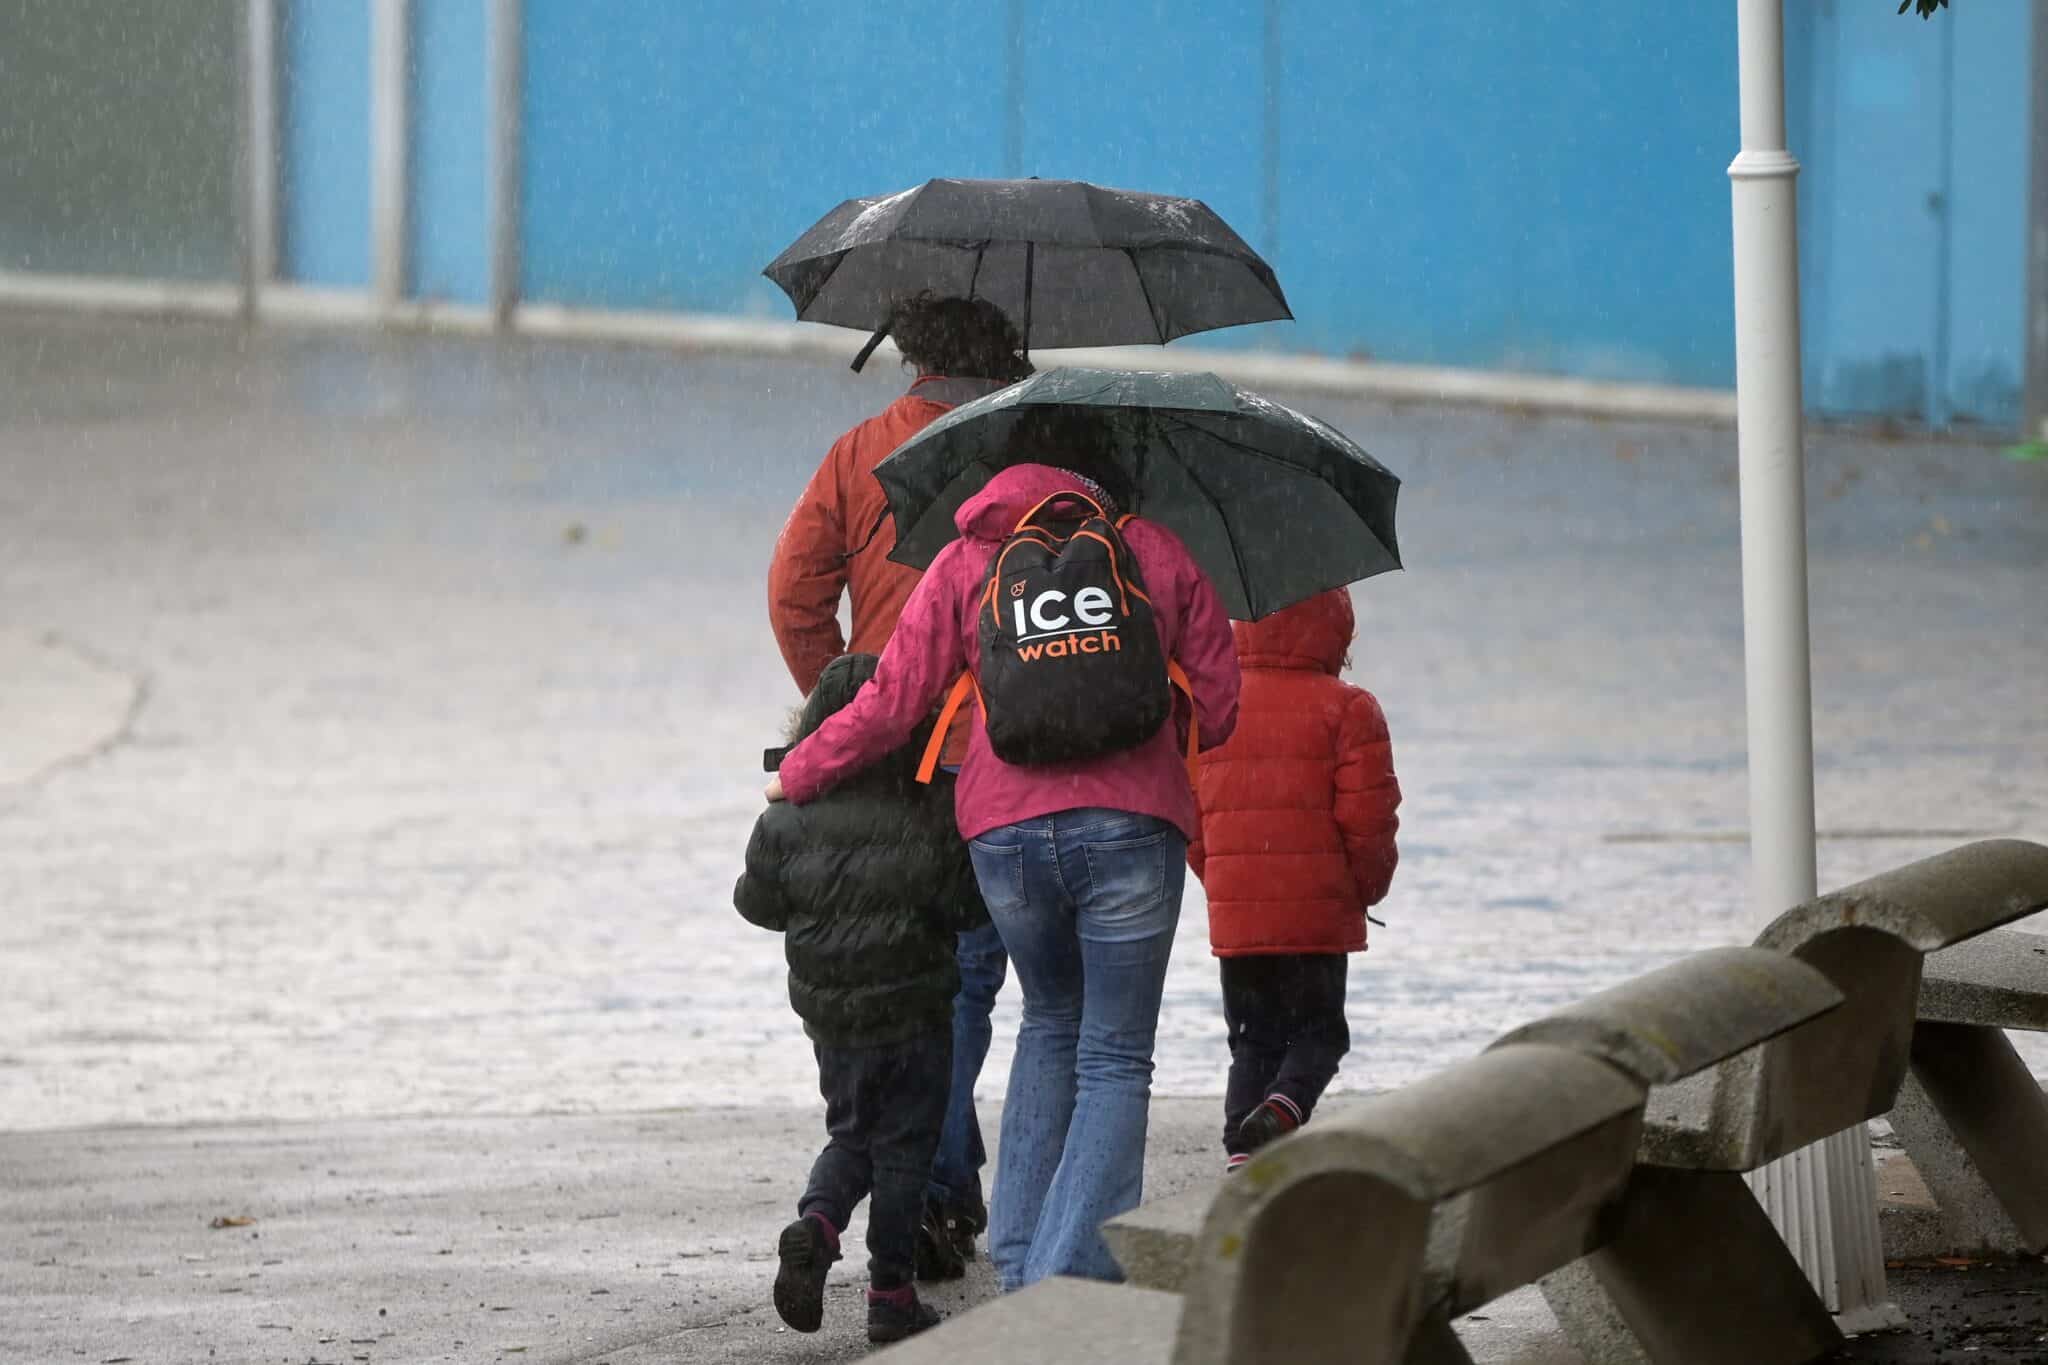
118 137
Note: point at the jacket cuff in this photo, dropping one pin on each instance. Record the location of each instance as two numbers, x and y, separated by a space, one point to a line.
800 784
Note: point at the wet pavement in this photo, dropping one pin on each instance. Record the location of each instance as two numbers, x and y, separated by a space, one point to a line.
1979 1312
382 717
379 732
571 1239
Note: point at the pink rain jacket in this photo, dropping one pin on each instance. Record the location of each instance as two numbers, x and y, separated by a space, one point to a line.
935 641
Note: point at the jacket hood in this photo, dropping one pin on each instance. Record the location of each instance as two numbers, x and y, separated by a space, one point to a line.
836 685
842 678
995 511
1310 635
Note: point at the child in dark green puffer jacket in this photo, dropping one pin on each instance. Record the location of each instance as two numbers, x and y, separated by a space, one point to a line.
870 887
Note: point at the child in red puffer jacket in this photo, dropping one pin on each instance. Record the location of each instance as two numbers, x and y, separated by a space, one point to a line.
1297 841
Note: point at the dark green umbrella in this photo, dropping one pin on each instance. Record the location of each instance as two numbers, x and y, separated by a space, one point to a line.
1274 504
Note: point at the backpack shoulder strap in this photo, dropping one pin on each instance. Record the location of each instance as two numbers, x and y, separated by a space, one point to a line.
1177 676
944 725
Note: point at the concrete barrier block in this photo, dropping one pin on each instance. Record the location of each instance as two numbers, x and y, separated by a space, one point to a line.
1589 1317
1155 1241
1528 1220
1694 1273
1999 979
1434 1343
1075 1322
1908 1220
1678 1127
1838 1070
1975 1124
1931 904
1472 1181
1683 1018
1464 1125
1845 1067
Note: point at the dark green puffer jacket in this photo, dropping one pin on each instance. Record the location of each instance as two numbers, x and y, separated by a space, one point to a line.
869 886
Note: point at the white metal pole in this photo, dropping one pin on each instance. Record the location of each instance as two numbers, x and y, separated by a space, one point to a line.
259 186
504 43
390 128
1823 1199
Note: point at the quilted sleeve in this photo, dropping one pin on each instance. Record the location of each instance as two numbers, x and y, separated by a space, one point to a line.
759 895
1368 795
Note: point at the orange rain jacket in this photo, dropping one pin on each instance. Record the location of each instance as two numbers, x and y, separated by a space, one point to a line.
839 537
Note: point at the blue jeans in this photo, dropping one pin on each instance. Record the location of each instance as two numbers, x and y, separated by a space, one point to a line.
956 1172
1087 902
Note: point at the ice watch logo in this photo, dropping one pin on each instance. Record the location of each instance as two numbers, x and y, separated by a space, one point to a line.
1043 616
1046 615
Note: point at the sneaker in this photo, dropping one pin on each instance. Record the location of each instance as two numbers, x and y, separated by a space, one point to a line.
894 1314
963 1223
1235 1160
938 1256
806 1254
1276 1118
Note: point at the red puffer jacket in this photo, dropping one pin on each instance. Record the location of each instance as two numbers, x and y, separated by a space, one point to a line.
1298 807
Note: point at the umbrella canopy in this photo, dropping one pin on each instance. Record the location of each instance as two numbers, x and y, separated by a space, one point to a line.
1072 264
1274 504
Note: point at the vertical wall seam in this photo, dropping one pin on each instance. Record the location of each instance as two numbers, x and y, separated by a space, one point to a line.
1944 237
2034 271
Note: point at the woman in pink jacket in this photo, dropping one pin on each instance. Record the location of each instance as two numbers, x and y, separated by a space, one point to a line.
1081 864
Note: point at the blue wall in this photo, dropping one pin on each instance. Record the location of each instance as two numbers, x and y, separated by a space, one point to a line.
1913 212
449 219
672 150
1502 185
324 94
1491 185
1473 185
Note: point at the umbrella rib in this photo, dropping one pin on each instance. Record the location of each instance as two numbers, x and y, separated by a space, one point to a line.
1320 475
1270 458
1151 308
1244 580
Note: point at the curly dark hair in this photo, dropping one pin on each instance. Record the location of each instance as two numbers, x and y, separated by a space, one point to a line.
967 338
1078 442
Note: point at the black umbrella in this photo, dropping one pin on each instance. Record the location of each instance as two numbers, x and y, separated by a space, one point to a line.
1072 264
1274 504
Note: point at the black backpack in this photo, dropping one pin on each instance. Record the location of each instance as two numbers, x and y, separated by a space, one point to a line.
1070 662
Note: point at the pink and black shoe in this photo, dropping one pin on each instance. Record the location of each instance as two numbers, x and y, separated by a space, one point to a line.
807 1250
894 1314
1275 1118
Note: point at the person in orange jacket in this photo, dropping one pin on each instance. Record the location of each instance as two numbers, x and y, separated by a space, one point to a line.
837 542
1298 824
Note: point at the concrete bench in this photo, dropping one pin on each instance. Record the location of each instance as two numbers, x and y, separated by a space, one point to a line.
1371 1229
1655 1291
1969 1115
1074 1322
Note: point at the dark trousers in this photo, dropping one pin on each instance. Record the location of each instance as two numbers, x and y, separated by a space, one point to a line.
1285 1013
956 1172
883 1110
